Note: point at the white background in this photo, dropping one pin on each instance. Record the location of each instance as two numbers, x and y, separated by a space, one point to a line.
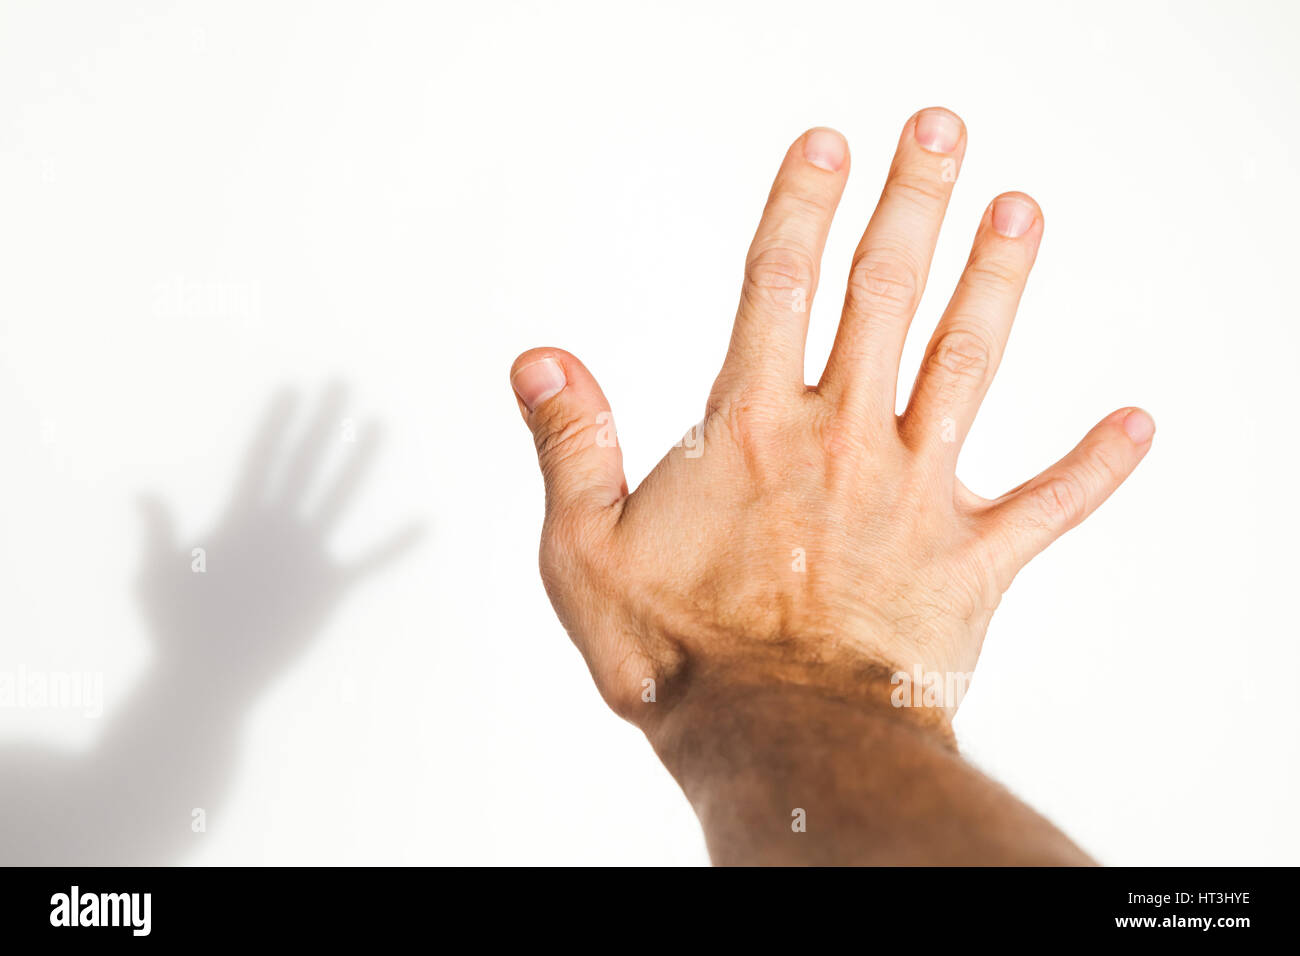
201 204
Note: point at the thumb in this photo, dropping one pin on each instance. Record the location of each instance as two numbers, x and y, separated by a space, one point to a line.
573 430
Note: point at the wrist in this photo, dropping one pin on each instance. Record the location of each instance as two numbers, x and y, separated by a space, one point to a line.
758 759
747 709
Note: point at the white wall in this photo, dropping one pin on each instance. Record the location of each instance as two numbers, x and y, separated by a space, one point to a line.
201 204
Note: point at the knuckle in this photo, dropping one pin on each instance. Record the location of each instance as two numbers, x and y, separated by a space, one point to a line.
780 269
880 282
907 186
567 550
1061 500
794 202
990 272
961 353
1107 465
751 422
553 556
746 419
838 433
564 438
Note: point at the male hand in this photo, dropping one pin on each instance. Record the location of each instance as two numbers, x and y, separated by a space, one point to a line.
809 537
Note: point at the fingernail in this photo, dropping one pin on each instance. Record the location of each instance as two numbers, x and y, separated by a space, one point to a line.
538 381
938 131
1139 426
1012 217
824 148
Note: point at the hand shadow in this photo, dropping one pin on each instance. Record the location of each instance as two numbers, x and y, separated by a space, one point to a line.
228 613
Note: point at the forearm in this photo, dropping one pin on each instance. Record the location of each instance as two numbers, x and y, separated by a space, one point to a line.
875 785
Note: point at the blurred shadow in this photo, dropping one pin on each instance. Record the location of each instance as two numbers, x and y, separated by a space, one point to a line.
227 612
